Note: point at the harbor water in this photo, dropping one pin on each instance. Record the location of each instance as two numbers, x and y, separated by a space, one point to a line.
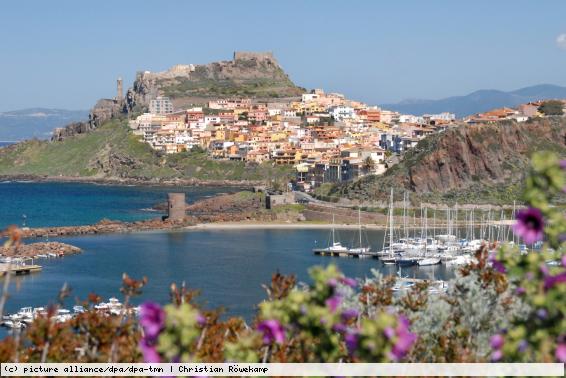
227 266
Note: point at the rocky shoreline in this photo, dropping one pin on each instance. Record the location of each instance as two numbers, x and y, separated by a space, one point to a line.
138 181
107 227
34 250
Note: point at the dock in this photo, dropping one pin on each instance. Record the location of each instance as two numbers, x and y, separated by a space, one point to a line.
19 269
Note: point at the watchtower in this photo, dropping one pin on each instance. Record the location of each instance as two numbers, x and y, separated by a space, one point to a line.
119 94
176 206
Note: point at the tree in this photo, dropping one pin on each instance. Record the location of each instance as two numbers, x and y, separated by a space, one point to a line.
552 107
369 164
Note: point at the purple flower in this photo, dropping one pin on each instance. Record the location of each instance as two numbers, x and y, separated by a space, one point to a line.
349 314
564 261
404 339
563 164
389 332
152 319
351 340
348 282
201 320
550 281
339 327
497 265
520 290
496 356
149 352
333 302
560 353
332 282
272 331
496 341
522 347
542 313
529 225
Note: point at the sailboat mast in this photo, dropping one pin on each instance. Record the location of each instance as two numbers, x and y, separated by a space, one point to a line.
333 239
391 222
360 225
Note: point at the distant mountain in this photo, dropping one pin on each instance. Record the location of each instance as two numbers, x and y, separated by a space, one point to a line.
36 122
479 101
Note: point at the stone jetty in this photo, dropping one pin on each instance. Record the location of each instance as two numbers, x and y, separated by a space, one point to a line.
108 227
42 248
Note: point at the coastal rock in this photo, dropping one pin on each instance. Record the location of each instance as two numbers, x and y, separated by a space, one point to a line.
41 248
465 161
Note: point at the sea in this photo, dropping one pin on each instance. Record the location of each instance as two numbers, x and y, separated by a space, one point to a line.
228 267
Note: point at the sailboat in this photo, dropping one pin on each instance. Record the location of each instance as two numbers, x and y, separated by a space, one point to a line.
335 248
390 258
360 251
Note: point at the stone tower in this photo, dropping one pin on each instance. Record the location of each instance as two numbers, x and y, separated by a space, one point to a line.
176 206
119 94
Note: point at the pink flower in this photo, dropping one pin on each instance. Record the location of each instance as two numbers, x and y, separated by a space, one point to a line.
149 352
348 282
333 303
529 225
201 320
404 339
564 261
496 356
496 341
272 331
560 353
152 319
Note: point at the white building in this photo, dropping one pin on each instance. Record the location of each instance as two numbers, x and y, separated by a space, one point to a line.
161 105
342 112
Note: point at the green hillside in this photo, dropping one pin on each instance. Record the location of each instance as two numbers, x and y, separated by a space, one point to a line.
112 151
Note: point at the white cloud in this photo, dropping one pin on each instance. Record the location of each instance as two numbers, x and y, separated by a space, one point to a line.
561 41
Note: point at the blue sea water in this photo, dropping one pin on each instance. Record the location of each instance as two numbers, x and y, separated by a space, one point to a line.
64 204
228 266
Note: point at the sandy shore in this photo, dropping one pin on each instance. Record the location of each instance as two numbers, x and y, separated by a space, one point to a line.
278 226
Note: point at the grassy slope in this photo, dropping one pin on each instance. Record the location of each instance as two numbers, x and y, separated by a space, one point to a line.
112 151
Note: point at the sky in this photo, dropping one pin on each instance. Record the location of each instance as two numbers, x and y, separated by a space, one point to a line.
68 54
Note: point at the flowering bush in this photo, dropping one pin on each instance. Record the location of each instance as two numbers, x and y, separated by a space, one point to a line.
505 306
541 335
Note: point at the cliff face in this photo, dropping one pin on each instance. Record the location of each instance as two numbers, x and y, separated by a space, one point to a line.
249 74
466 160
104 110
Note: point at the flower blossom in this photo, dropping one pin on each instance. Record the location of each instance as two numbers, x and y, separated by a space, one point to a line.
529 225
149 352
560 353
152 319
272 331
403 338
333 302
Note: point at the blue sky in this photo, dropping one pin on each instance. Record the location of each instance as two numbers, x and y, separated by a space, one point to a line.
67 54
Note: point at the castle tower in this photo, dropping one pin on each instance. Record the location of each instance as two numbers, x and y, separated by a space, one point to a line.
176 206
119 95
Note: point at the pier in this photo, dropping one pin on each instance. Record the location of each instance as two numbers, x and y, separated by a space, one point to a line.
19 269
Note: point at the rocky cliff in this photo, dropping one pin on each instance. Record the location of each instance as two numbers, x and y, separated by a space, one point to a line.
468 163
104 110
248 74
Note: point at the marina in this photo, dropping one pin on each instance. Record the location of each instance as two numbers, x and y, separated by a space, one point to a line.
26 315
